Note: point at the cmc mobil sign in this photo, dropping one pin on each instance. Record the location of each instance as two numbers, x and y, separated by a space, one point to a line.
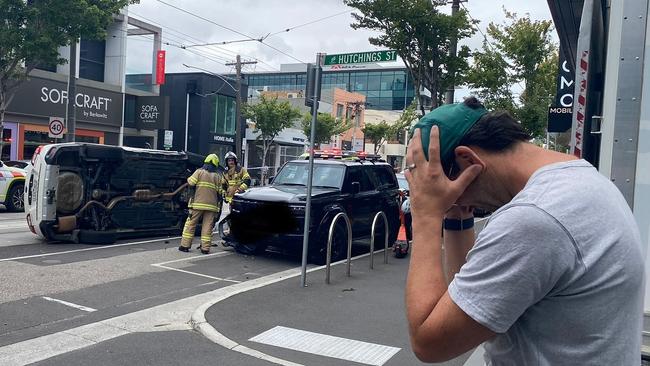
45 98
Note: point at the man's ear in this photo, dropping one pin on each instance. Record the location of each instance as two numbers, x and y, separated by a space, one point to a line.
466 157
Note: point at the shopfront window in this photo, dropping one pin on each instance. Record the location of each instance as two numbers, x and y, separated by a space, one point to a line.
288 153
7 140
34 139
224 115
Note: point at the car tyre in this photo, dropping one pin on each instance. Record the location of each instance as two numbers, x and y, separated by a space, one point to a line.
339 245
15 201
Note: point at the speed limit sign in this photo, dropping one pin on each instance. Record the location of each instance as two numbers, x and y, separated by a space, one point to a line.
56 127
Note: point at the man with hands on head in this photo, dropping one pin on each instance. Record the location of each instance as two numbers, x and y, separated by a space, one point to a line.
556 277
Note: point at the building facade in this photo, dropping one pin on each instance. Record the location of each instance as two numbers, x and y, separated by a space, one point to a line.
100 98
385 88
203 113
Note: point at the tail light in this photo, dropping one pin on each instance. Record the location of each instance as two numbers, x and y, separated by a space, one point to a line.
38 151
18 175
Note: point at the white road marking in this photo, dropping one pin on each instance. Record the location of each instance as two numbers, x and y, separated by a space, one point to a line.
194 273
195 258
72 305
327 345
183 314
200 324
86 249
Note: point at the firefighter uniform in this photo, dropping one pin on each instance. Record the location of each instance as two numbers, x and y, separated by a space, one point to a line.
205 206
237 176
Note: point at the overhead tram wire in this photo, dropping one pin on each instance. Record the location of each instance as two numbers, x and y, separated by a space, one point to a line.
260 40
308 23
222 63
214 48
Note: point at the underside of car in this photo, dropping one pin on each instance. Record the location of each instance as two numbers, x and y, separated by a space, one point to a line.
105 192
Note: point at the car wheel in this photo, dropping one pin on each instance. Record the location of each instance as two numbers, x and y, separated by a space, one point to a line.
250 249
16 198
339 245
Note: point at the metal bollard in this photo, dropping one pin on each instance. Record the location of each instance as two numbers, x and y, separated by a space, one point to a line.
330 236
372 239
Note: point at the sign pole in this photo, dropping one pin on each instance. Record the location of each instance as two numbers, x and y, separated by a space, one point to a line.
71 107
314 119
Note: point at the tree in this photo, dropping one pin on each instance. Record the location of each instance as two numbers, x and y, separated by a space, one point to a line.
421 35
519 55
31 33
270 117
381 132
326 127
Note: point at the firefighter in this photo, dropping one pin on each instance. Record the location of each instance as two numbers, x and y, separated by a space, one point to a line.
237 176
210 186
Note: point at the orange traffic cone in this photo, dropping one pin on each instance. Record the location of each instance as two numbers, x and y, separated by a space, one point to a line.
401 235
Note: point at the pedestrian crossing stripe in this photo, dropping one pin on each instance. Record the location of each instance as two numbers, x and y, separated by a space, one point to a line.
326 345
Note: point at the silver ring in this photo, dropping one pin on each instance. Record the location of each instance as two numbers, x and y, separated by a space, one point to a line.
410 167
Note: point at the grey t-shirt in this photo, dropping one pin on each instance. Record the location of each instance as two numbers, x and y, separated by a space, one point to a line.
558 273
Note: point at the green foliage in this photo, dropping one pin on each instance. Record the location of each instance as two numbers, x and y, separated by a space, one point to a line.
326 127
421 35
270 117
521 55
381 132
377 133
31 33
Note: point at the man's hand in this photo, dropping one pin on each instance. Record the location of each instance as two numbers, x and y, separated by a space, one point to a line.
432 193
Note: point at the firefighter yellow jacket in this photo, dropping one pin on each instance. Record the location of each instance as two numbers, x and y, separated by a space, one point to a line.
210 189
238 180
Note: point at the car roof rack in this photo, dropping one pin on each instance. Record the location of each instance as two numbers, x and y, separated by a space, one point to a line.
344 155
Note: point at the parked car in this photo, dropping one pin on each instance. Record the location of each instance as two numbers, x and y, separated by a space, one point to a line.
21 164
92 193
12 186
274 215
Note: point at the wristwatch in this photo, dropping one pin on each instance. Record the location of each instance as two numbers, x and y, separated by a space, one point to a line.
458 225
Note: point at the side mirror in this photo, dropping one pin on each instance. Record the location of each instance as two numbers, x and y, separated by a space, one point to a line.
356 187
271 179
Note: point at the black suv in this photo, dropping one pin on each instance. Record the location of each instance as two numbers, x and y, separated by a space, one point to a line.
274 215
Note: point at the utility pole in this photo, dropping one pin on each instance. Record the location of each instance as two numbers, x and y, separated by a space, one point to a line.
238 127
453 50
71 108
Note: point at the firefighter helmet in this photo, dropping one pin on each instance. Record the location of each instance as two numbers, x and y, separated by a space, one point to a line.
212 159
230 155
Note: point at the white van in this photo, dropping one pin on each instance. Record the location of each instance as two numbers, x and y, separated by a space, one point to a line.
90 193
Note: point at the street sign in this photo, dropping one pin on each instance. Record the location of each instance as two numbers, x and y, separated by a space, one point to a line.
169 138
361 57
56 128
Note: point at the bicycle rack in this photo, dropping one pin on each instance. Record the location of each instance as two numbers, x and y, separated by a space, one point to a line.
329 244
372 239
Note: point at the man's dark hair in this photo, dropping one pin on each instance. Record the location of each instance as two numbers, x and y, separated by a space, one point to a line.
495 131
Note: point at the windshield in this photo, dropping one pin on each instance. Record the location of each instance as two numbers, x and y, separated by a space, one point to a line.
403 184
325 175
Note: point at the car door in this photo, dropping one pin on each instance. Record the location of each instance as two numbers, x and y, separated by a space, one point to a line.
388 192
360 205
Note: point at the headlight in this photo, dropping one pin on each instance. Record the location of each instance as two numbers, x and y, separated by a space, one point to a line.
297 209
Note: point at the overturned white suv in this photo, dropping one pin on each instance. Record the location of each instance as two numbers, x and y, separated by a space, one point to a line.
90 193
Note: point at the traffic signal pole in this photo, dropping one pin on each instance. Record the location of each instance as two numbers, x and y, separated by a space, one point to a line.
315 93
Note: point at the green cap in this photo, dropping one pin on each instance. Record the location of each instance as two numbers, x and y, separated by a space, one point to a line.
453 121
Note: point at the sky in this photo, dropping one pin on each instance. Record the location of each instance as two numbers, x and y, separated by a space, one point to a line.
257 18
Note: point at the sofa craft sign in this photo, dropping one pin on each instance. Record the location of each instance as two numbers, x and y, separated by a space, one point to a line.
93 105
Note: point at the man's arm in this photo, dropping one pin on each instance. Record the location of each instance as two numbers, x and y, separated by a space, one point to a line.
439 329
246 180
457 242
194 178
